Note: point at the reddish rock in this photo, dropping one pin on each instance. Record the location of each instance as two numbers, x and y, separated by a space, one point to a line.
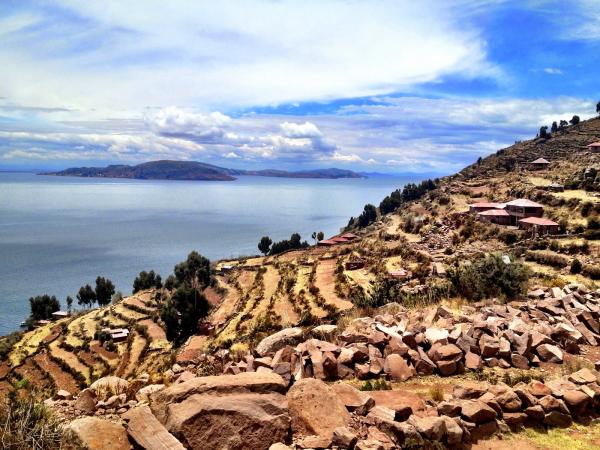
550 353
315 409
473 361
397 369
477 411
354 400
99 434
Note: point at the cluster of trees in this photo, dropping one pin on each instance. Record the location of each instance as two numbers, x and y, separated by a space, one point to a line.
187 304
42 307
102 294
409 193
147 280
267 246
562 124
392 202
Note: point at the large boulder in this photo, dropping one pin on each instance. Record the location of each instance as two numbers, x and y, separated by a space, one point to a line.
315 409
247 410
106 387
397 369
99 434
354 400
272 343
147 432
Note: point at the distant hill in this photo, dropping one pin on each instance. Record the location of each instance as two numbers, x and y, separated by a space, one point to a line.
193 170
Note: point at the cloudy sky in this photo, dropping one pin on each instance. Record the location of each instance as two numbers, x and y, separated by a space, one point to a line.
378 86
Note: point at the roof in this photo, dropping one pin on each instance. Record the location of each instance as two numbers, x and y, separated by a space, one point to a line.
60 313
538 221
540 161
594 144
349 236
523 202
486 205
327 242
399 273
493 212
339 239
555 185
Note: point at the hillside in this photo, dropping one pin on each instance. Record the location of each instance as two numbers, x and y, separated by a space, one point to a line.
414 305
192 170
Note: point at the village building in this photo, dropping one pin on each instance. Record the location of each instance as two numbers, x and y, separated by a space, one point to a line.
523 208
497 216
340 240
355 264
539 164
539 225
57 315
326 243
484 206
594 147
401 274
349 236
116 334
555 187
225 269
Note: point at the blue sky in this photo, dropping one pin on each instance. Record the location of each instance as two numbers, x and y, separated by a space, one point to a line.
387 86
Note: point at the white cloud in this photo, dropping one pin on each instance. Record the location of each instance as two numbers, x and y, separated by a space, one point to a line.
300 130
553 71
128 55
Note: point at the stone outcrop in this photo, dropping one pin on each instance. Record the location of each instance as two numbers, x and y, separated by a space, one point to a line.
99 434
229 411
315 409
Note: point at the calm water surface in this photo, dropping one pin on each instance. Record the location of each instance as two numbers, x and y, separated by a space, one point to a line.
57 233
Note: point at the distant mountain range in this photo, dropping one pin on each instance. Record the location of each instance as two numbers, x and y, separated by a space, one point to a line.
193 170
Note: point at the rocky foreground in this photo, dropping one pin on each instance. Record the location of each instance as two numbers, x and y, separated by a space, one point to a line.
297 389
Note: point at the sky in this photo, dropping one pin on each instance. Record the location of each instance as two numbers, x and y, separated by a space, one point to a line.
374 86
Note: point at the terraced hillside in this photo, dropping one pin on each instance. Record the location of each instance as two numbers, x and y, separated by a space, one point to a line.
424 235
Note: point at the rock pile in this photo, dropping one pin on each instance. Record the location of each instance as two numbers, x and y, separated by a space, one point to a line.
440 341
254 411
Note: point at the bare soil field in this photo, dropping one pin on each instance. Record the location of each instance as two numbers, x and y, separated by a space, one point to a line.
325 281
62 379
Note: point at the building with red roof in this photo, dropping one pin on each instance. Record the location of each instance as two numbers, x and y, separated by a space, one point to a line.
484 206
594 147
539 225
523 208
498 216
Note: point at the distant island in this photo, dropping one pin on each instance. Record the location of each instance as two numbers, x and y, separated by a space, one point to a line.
193 170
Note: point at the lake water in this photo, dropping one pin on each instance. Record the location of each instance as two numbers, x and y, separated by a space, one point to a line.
58 233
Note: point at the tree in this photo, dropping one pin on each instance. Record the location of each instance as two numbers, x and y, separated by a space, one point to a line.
368 216
554 127
43 306
320 236
563 124
194 271
104 290
182 312
575 120
147 280
544 132
314 236
69 302
86 296
265 245
598 107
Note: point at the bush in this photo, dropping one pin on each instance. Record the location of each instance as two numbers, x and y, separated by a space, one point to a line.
43 306
293 243
547 258
576 266
489 276
26 424
592 272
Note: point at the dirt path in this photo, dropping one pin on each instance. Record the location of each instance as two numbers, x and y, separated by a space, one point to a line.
325 281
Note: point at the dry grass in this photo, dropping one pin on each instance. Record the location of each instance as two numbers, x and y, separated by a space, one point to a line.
26 424
578 194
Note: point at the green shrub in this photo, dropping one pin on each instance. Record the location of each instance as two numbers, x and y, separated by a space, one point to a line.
489 276
576 266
